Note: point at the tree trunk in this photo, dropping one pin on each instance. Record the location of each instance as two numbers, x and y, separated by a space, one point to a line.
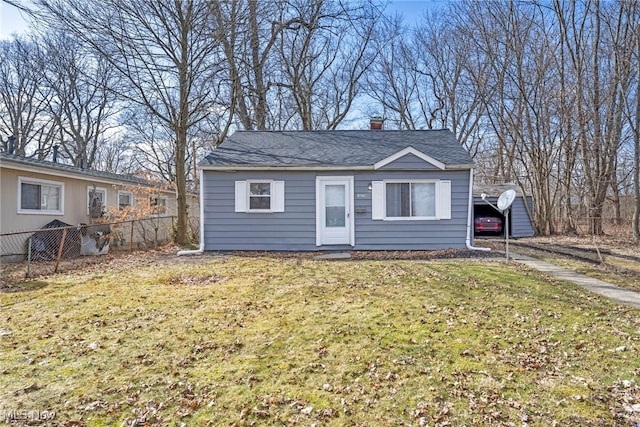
184 80
636 143
636 178
181 186
615 200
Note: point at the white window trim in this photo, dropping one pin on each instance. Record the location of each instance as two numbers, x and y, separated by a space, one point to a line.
277 195
166 205
410 181
130 193
38 181
248 194
442 191
103 190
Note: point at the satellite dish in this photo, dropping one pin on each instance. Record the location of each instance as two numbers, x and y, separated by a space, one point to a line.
506 199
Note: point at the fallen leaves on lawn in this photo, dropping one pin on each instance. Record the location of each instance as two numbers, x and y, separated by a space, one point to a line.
195 280
299 341
626 395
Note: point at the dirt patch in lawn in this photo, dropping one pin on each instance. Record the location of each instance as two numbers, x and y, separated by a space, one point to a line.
13 276
378 255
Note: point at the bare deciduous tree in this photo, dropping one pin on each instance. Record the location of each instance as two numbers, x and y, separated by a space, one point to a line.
393 79
597 37
253 27
24 97
542 92
324 58
632 113
83 98
520 84
163 52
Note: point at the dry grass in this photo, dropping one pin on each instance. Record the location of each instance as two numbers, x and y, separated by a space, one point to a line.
618 271
268 340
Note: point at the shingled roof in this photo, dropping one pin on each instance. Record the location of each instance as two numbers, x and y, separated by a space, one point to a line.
348 148
64 169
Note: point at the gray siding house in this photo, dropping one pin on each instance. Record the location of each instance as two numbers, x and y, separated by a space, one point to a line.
337 190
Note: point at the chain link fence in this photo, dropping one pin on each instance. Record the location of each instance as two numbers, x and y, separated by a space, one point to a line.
59 246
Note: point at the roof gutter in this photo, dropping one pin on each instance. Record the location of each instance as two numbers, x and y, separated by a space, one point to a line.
470 217
234 168
57 171
200 249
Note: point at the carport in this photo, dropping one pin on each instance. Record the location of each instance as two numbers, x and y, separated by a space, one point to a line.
520 223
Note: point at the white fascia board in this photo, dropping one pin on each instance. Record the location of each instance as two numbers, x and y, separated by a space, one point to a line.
381 163
409 150
67 174
460 167
61 174
234 168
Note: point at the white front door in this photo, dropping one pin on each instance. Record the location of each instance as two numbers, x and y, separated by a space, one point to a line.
334 217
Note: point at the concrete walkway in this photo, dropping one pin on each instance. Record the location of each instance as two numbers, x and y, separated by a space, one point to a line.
614 293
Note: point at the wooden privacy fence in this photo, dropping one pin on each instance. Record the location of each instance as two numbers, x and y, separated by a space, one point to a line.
41 251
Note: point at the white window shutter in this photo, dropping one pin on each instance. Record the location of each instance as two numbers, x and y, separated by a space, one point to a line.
241 196
377 200
277 196
443 205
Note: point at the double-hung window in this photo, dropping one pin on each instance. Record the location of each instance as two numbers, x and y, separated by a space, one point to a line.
96 201
259 196
125 199
38 196
158 205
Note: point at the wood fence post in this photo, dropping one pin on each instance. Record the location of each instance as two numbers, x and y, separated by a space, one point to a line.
131 238
29 258
64 236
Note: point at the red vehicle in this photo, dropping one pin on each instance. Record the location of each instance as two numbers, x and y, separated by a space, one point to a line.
487 224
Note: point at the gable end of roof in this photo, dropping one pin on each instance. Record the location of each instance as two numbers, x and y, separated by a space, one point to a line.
409 150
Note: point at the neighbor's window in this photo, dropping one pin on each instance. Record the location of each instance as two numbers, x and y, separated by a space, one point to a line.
259 196
158 205
410 199
125 199
96 200
40 196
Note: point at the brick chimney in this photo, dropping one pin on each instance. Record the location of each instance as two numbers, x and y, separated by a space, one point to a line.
376 122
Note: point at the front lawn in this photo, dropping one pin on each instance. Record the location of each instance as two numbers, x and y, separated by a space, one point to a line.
285 340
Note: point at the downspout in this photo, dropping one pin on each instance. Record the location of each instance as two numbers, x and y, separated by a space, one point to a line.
470 217
200 250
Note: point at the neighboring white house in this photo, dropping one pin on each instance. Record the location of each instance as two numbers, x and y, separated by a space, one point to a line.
35 192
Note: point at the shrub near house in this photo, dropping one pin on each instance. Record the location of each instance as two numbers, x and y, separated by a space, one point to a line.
144 209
